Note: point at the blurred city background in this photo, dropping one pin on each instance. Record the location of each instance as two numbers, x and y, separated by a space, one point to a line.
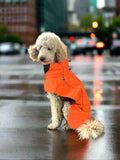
80 23
91 31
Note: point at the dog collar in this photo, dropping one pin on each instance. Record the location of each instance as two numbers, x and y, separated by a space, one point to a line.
46 68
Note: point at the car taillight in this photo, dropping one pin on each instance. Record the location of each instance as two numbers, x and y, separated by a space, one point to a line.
80 40
100 45
91 42
72 38
118 45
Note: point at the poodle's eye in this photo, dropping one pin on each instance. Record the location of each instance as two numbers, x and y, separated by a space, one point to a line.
49 49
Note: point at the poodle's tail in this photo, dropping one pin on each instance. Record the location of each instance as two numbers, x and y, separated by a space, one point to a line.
92 128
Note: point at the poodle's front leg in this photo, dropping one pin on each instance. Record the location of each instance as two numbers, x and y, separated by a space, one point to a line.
56 110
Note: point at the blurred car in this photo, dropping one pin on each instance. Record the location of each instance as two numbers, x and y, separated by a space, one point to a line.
24 49
115 48
91 46
16 48
85 45
100 47
8 48
95 47
79 46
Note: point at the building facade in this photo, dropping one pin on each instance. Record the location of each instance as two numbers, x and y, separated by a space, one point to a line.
113 4
20 17
109 11
93 6
82 7
118 7
110 3
28 18
72 15
51 15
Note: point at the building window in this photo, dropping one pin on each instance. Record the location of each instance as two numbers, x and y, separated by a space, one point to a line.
23 1
13 18
1 1
18 1
9 18
13 9
1 10
24 9
7 1
1 19
25 18
21 10
9 10
5 10
15 1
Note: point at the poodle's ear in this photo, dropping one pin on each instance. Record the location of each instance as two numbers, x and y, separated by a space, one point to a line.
33 52
61 53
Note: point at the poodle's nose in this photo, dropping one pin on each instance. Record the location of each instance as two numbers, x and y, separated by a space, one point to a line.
42 58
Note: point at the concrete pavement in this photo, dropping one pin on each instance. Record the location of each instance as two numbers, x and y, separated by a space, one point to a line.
25 111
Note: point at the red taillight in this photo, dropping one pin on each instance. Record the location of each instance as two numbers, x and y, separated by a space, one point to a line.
72 38
118 45
80 40
100 45
91 42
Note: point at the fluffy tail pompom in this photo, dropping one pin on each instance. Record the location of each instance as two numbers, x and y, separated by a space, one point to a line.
92 128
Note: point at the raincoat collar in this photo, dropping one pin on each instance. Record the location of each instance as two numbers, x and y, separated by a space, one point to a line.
57 69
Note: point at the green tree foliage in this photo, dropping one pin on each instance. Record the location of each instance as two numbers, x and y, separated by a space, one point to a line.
103 33
14 38
86 21
73 27
3 32
3 29
115 24
7 37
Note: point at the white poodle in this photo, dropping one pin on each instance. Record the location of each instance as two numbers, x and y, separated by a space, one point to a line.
52 53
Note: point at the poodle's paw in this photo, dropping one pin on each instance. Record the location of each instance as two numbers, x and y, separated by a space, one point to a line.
66 127
52 126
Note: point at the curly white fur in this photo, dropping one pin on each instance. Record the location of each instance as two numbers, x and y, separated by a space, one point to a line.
91 129
48 49
49 46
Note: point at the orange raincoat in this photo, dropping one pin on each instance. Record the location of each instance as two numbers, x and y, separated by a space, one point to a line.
61 81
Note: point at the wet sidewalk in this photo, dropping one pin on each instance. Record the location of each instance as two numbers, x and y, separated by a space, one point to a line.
25 111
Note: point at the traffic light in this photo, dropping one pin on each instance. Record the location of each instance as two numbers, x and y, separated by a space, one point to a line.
95 24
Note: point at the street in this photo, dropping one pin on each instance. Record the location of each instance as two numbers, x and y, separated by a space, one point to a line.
25 110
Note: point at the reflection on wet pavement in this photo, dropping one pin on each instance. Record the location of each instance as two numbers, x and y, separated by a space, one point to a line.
97 82
25 111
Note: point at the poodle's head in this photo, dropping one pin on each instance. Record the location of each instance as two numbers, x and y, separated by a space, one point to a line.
48 49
